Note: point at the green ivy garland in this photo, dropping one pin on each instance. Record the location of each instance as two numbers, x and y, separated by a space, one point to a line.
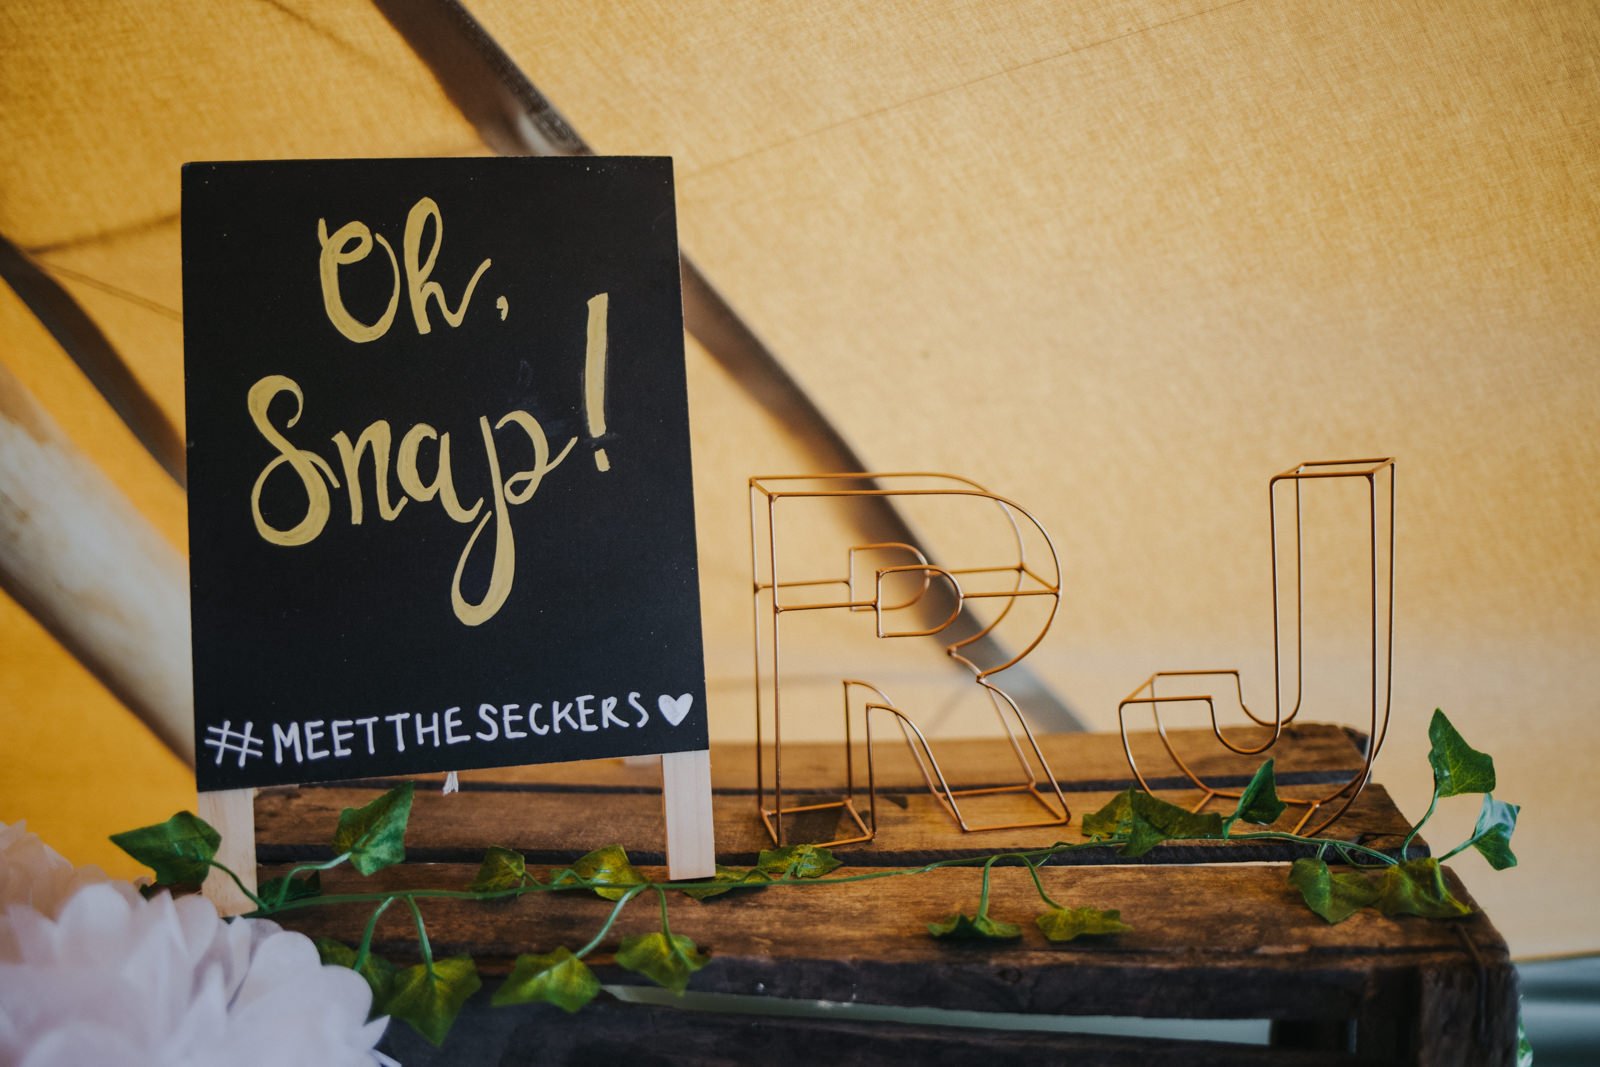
429 995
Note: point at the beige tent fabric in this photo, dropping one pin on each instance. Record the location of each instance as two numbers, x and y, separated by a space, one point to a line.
1124 261
1118 260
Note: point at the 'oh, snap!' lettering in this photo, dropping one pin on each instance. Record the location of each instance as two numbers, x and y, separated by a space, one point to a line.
489 517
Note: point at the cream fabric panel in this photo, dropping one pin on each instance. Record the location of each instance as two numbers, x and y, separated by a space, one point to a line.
79 766
105 99
1124 261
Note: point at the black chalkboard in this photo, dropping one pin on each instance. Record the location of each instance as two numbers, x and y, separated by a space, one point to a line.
490 352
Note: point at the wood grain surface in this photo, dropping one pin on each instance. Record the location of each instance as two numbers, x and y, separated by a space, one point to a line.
1210 939
554 813
1207 942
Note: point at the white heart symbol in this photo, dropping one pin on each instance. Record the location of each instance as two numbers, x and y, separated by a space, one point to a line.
673 709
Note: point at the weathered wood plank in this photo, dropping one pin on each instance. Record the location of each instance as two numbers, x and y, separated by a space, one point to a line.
609 1031
1469 1008
1208 942
1306 753
913 829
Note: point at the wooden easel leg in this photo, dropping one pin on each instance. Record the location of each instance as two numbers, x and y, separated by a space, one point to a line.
232 812
686 798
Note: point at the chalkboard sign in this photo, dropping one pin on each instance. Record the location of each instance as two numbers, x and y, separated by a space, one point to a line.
440 511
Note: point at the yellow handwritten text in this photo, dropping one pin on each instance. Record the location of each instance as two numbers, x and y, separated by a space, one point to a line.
316 477
352 243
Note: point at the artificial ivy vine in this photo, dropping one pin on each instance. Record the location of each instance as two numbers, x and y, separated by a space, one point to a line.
429 994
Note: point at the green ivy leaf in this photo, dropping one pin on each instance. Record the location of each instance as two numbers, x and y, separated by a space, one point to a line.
729 879
1457 766
959 927
1173 821
430 998
378 972
1259 802
1155 820
178 850
606 866
1066 924
502 868
1416 887
665 961
1142 837
558 978
797 861
375 835
1146 821
1492 835
300 887
1112 819
335 952
1335 897
1524 1046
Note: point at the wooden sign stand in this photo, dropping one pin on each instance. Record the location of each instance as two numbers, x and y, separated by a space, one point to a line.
232 813
685 802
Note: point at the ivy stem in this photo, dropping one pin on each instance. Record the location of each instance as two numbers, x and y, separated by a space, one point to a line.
1340 846
288 879
1039 856
1033 869
1468 843
1405 846
365 948
422 933
665 929
443 894
983 894
622 901
225 869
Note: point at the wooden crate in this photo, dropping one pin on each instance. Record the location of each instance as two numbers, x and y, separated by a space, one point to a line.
1211 940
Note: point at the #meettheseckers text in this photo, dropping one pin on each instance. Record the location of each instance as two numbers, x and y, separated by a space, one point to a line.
318 739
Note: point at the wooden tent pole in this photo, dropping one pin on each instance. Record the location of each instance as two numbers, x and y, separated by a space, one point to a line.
95 573
77 555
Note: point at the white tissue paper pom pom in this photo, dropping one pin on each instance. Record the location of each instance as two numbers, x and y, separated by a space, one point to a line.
33 873
91 972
